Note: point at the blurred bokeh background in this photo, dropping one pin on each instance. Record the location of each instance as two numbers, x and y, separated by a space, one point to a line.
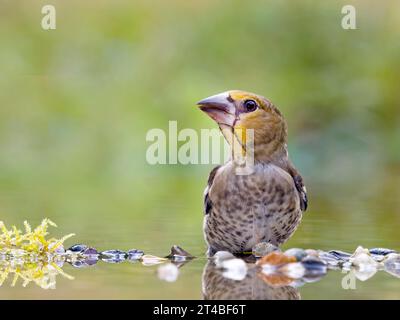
76 104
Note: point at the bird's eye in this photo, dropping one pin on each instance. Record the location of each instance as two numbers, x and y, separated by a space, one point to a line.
250 105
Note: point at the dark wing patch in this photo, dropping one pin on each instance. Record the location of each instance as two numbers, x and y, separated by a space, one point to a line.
301 189
207 200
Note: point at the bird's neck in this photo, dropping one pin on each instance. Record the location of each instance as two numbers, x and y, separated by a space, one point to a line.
261 148
274 152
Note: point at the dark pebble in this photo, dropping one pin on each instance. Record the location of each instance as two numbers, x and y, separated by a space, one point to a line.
135 254
113 256
314 267
178 254
77 248
329 258
381 251
90 252
83 263
341 255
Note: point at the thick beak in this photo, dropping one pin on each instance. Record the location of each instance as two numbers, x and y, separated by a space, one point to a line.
220 108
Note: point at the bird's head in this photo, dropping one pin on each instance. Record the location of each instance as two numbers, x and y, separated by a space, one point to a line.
237 111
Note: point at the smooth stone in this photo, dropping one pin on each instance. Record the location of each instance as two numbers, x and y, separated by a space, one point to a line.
135 254
341 255
294 270
392 265
234 269
381 251
90 252
77 248
329 258
221 256
314 267
312 252
168 272
263 248
296 252
150 260
364 272
113 256
179 254
362 259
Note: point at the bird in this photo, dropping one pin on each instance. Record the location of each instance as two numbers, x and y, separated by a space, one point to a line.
265 205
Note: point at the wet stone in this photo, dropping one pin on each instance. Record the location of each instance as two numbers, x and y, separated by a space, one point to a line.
392 265
341 255
294 270
363 259
135 254
263 248
380 254
298 253
381 251
150 260
234 269
90 252
79 264
329 258
168 272
113 256
221 256
178 254
77 248
314 267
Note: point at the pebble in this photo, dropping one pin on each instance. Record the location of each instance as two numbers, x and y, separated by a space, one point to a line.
90 252
168 272
311 252
234 269
362 259
77 248
296 252
221 256
380 254
81 263
314 267
276 258
294 270
150 260
135 254
113 256
340 255
263 248
392 264
178 254
381 251
329 258
364 272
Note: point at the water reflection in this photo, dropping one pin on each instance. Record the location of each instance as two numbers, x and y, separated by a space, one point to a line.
42 273
277 275
255 286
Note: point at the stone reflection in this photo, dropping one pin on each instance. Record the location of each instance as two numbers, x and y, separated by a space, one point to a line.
254 286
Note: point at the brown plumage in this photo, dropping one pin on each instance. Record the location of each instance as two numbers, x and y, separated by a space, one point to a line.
266 205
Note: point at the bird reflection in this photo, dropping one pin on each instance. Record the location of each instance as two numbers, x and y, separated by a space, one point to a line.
253 287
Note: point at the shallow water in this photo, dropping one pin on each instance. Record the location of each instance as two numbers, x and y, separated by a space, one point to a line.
198 279
167 210
341 224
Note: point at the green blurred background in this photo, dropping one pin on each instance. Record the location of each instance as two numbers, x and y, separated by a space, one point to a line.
76 104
